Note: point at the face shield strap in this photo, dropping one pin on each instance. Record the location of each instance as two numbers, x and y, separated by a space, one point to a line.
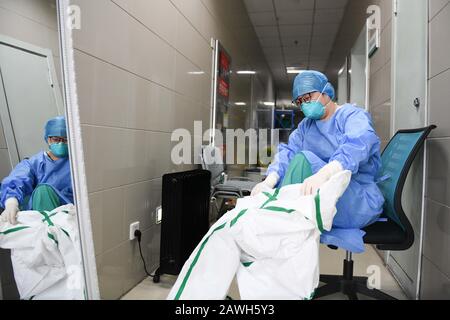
321 94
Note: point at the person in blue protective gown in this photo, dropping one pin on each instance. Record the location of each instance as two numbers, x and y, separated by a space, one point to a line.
42 182
330 139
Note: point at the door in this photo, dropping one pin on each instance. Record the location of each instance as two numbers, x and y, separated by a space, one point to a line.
358 71
29 96
410 43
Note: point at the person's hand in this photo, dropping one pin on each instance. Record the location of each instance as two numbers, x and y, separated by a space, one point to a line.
311 185
270 183
11 211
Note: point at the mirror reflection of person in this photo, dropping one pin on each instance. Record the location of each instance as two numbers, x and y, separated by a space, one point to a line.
43 182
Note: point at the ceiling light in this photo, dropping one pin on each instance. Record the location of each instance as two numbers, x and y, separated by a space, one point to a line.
341 71
196 72
246 72
240 104
294 70
269 104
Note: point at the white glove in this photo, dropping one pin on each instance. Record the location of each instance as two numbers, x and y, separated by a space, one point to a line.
311 185
270 183
11 210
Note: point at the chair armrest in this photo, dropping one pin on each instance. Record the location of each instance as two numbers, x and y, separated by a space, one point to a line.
241 179
226 189
227 194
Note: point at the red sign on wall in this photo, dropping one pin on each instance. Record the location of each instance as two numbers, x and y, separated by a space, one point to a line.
224 88
224 62
223 83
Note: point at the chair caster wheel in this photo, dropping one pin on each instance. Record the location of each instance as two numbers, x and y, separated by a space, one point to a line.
156 278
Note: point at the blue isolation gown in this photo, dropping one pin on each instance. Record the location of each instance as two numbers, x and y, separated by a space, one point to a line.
36 171
348 137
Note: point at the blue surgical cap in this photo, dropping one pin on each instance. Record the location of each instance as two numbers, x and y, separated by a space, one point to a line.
312 81
56 127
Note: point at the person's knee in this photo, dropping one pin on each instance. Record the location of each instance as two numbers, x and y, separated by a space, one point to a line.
300 157
44 198
41 188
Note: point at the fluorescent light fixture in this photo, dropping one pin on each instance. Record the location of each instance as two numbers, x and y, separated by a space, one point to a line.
196 72
269 104
246 72
240 104
294 70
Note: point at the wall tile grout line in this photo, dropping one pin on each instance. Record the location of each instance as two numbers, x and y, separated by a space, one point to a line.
160 37
110 250
189 21
124 128
138 75
388 61
123 186
439 74
28 18
438 138
439 12
436 266
437 202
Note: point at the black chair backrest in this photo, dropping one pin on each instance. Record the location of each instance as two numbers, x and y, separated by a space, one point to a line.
397 159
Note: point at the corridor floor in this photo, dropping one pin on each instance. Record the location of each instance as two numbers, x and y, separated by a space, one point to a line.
330 261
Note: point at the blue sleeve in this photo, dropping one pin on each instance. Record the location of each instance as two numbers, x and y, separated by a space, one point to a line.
358 143
19 184
286 153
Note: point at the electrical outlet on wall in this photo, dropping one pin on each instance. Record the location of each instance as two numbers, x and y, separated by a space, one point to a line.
158 215
133 227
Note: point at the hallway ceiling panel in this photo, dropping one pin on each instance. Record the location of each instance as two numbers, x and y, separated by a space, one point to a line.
296 33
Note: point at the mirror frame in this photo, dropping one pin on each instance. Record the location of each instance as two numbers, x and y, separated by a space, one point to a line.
81 195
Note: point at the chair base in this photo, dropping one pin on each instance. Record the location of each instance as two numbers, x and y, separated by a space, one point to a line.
348 285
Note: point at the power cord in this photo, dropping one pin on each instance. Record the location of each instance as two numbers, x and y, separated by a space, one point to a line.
138 235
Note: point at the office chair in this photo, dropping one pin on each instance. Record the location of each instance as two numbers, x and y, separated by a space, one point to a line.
396 233
221 188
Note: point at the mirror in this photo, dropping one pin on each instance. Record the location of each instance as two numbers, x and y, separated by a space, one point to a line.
40 255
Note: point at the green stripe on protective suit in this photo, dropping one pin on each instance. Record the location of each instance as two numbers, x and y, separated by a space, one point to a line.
45 254
269 242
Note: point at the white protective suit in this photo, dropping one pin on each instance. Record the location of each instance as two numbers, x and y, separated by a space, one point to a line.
269 241
45 254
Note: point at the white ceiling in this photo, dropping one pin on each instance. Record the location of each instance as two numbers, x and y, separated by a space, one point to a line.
296 33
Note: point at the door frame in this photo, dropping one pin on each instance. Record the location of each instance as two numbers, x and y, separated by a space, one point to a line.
395 266
4 109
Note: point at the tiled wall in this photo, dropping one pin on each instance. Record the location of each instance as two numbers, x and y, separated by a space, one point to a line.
380 76
436 260
132 61
34 22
